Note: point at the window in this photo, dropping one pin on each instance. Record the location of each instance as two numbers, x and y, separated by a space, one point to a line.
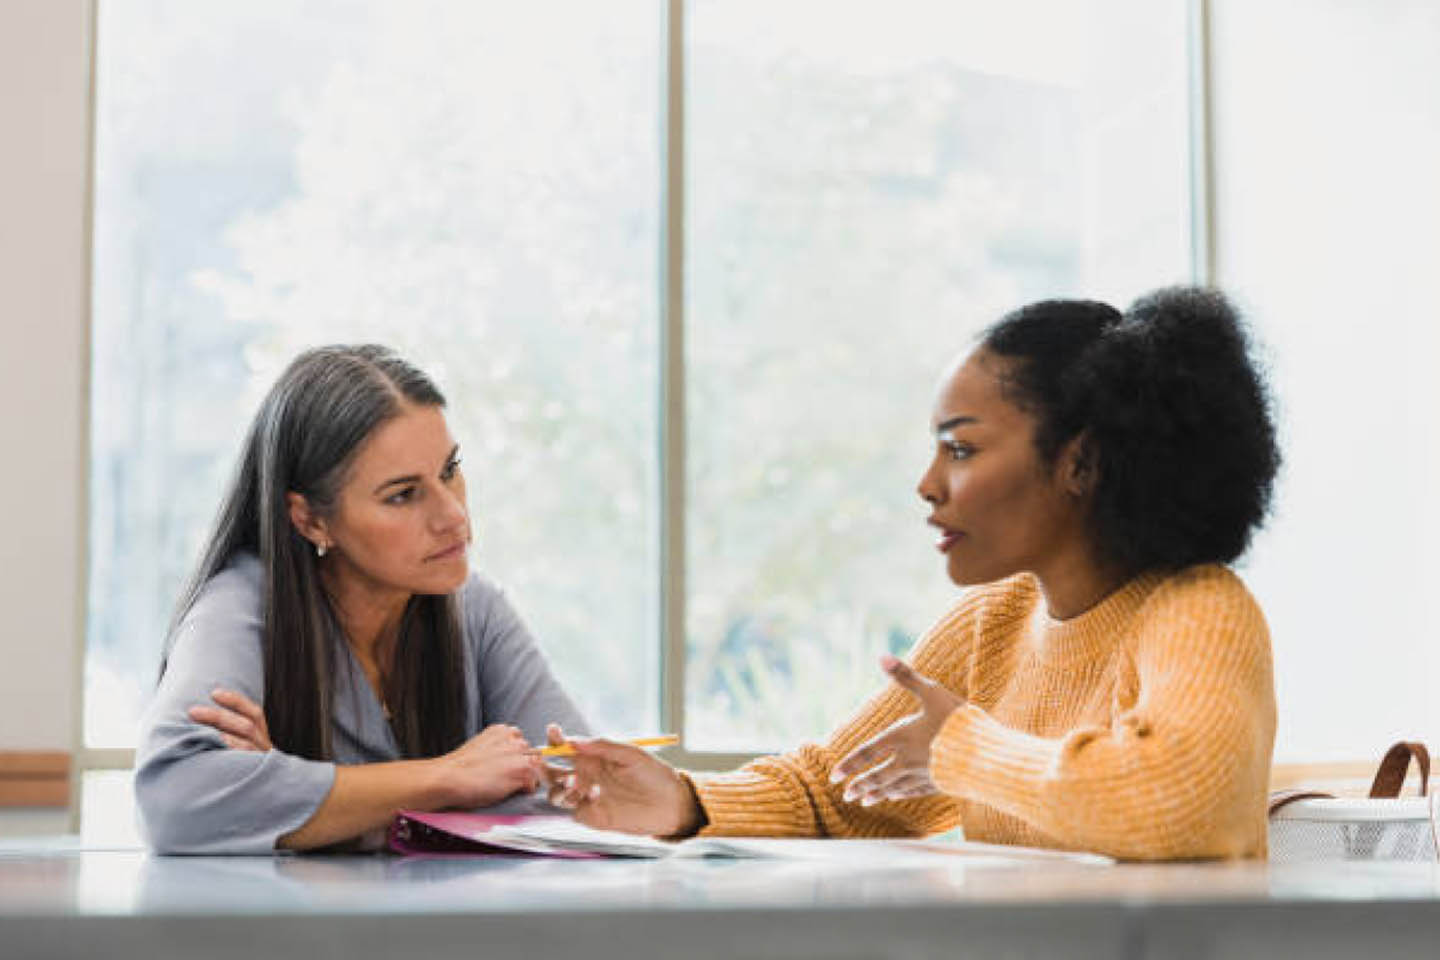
474 184
870 184
482 186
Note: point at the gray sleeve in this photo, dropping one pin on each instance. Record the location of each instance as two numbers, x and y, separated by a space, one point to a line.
515 682
514 678
194 794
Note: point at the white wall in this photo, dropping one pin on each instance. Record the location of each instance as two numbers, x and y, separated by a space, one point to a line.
1327 136
44 91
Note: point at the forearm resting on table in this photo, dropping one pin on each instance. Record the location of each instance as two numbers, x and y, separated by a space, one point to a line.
365 797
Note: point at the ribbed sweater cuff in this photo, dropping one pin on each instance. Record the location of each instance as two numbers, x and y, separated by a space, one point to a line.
748 803
975 757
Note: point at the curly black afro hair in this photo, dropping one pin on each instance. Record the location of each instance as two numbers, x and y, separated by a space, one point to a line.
1172 411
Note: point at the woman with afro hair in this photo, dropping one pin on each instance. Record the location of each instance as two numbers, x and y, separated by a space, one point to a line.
1105 682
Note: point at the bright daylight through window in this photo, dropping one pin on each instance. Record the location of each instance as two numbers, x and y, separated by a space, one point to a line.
480 185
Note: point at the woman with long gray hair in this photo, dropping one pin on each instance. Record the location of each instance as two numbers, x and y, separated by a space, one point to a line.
333 659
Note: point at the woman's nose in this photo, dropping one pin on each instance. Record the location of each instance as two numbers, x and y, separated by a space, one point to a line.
450 510
929 487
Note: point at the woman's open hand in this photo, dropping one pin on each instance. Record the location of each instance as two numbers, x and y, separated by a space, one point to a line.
616 786
240 720
896 763
489 767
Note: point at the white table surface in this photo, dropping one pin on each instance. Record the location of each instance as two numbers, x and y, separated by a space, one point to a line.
59 899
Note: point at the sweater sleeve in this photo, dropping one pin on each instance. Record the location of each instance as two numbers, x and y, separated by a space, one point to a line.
195 795
791 795
1181 769
515 682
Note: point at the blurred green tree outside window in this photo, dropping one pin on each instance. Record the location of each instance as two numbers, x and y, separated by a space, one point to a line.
479 185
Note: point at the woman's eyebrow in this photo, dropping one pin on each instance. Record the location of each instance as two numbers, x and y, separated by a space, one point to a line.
408 478
415 477
954 422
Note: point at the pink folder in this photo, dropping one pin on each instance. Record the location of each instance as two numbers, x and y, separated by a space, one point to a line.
455 832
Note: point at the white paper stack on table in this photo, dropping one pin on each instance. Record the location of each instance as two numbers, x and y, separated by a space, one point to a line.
554 835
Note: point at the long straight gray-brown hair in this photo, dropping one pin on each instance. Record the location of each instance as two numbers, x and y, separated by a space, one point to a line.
303 439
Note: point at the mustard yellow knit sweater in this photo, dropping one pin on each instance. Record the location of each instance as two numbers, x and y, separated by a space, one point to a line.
1142 729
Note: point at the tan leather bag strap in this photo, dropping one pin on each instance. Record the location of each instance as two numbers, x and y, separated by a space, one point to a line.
1390 778
1283 798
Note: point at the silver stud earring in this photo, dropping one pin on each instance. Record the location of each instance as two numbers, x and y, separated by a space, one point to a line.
320 549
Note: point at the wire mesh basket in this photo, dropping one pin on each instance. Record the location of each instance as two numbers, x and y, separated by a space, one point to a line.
1307 827
1354 829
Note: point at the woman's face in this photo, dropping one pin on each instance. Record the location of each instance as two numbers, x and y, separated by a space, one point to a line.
999 510
400 522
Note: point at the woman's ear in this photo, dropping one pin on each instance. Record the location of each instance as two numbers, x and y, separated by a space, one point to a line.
1079 466
305 521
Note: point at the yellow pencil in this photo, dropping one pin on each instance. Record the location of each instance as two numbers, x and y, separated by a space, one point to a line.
565 750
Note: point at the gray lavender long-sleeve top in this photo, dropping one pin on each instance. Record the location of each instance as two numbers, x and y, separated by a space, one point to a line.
197 796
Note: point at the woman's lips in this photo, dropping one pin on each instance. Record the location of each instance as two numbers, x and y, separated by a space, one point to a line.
449 553
948 537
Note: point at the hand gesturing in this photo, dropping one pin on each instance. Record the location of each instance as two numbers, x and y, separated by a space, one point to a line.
896 763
